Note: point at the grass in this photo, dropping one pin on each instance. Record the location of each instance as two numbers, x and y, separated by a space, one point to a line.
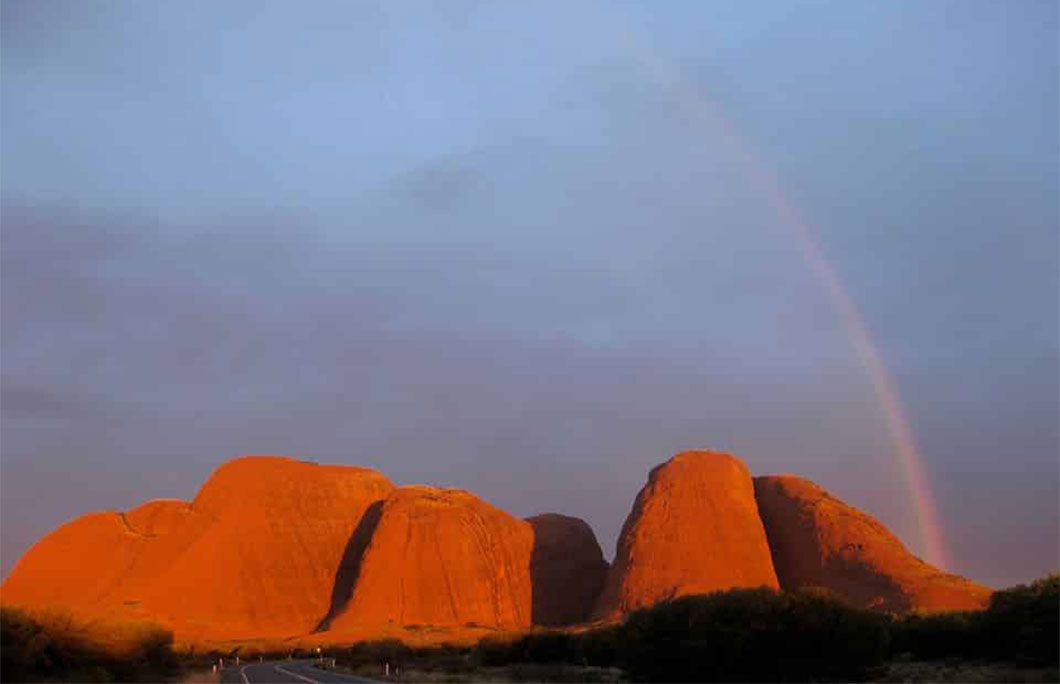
518 672
954 671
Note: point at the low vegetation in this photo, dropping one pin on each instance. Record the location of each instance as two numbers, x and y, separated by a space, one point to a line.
753 635
1021 625
59 647
760 635
488 661
726 636
737 635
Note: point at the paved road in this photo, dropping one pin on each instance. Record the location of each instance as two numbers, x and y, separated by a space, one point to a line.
285 672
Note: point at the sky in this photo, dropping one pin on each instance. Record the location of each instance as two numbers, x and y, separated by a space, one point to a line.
521 248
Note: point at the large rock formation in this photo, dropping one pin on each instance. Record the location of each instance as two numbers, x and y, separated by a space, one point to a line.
442 557
256 553
817 540
567 569
694 528
272 548
267 564
78 566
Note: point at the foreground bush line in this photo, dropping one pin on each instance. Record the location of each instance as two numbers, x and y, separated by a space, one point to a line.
737 635
1021 625
758 635
59 648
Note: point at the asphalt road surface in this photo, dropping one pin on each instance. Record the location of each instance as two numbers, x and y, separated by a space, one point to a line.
284 672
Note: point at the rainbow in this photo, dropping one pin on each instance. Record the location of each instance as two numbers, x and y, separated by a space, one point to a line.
886 392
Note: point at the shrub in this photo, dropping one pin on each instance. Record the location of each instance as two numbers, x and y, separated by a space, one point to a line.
1023 623
375 652
491 651
599 647
544 647
752 635
941 635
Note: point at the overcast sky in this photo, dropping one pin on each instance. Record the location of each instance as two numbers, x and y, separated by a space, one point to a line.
498 245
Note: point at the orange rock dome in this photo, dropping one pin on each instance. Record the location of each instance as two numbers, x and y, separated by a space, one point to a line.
442 557
254 555
820 541
694 529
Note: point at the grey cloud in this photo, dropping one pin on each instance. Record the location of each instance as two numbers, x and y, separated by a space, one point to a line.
210 341
28 402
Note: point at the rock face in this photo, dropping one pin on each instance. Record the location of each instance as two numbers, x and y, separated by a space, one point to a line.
442 557
817 540
567 569
694 528
79 565
159 517
272 548
256 553
266 564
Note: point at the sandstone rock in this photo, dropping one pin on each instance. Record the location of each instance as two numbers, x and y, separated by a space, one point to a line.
77 567
159 516
267 563
273 548
819 541
442 557
567 569
256 553
694 529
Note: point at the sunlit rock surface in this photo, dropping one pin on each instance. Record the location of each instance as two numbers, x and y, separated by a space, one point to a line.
819 541
273 548
254 555
694 528
442 557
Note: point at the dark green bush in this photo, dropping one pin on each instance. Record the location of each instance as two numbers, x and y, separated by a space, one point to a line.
1023 623
599 647
443 658
549 647
757 635
752 635
545 647
491 651
375 652
942 635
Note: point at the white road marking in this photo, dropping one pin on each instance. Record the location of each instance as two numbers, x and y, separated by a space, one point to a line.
295 674
244 675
